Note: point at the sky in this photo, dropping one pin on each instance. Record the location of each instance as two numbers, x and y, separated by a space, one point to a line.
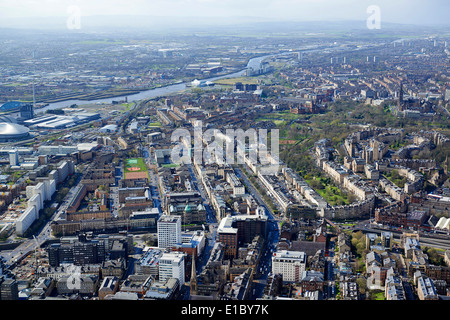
419 12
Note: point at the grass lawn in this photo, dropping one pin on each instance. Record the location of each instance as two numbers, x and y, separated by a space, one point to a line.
395 179
331 193
284 115
232 81
279 122
171 165
135 163
127 105
378 296
349 224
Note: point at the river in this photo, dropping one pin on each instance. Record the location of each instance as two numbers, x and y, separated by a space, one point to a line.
253 63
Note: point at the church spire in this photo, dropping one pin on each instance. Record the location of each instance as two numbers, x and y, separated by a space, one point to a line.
193 283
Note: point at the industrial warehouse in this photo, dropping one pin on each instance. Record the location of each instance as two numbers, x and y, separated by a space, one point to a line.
61 121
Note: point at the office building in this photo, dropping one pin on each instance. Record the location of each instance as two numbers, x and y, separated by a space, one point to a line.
108 286
228 235
80 251
8 289
171 265
25 220
26 112
386 239
237 229
290 264
14 158
169 231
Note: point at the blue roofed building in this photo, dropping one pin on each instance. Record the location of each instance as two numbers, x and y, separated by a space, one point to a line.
12 105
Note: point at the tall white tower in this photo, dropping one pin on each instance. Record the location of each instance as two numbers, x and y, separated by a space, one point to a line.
14 158
171 265
169 231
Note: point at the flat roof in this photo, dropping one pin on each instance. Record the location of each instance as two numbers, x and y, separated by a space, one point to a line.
225 225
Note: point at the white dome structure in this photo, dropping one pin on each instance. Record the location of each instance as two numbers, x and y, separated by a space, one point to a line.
13 131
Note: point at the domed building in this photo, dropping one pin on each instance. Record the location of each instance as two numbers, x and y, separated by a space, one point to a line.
7 118
13 131
186 204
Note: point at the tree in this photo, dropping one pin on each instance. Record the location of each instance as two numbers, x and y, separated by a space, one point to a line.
360 247
362 285
351 197
434 256
317 184
61 194
395 175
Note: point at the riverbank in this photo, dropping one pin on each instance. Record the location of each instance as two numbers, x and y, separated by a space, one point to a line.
116 93
93 96
161 91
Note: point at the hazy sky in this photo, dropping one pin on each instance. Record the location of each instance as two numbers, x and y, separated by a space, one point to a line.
401 11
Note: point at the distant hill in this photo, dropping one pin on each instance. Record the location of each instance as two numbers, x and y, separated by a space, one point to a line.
105 23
